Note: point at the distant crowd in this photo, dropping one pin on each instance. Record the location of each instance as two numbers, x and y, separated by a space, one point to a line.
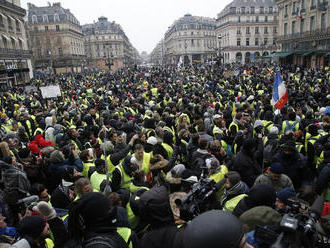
165 157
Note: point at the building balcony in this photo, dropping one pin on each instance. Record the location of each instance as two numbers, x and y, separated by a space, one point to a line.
248 48
12 7
15 53
249 23
305 35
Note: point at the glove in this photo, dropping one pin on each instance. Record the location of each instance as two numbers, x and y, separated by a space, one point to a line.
46 210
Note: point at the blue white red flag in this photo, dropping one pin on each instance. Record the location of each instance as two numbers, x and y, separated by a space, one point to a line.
280 94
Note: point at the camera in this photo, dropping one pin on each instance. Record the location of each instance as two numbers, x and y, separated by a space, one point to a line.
198 200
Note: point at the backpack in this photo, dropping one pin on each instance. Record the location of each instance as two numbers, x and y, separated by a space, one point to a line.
270 149
104 240
290 127
266 131
16 184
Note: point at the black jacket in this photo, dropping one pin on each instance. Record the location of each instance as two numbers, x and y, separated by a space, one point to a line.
164 237
295 167
323 180
247 167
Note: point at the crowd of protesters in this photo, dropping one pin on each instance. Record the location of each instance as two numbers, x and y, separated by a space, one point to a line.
109 157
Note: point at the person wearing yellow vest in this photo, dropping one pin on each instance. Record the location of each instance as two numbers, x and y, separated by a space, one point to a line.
312 136
82 186
73 135
51 233
237 124
98 216
216 171
219 126
99 176
142 158
87 157
235 190
167 144
290 125
34 232
123 175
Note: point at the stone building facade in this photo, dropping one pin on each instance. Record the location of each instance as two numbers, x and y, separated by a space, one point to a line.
15 58
107 46
56 39
191 38
246 30
157 54
304 32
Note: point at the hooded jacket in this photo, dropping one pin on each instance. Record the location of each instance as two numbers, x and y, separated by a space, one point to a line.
154 208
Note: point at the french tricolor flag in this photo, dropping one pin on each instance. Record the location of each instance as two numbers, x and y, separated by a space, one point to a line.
280 94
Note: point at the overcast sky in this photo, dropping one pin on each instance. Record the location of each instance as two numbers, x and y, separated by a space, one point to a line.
144 21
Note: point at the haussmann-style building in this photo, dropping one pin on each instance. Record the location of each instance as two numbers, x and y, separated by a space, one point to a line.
15 57
190 39
247 30
107 46
304 32
56 39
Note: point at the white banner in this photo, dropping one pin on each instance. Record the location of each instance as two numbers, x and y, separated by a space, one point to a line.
51 91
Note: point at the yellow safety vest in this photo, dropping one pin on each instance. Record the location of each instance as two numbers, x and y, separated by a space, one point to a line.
97 179
219 174
86 168
217 130
168 149
232 203
125 233
145 162
234 124
49 243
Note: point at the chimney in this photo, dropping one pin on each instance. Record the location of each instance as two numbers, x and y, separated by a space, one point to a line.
31 5
58 4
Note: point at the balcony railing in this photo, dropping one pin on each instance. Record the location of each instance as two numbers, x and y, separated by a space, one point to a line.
305 34
15 52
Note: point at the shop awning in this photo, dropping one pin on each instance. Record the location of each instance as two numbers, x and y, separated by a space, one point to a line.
269 56
308 53
279 54
21 39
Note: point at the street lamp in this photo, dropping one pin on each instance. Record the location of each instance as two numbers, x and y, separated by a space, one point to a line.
185 52
219 47
109 60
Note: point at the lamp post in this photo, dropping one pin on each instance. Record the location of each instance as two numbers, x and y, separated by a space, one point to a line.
185 52
263 45
219 48
109 60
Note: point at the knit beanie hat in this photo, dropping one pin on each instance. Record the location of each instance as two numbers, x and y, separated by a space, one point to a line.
285 194
31 226
276 168
56 157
